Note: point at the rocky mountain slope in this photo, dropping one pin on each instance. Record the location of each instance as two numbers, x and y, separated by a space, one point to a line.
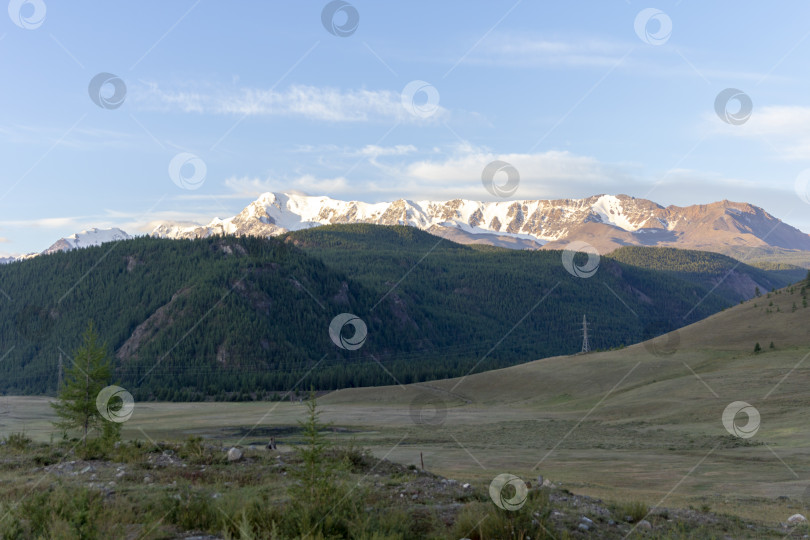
605 221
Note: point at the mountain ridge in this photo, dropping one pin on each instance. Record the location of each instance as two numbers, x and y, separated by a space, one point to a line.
605 221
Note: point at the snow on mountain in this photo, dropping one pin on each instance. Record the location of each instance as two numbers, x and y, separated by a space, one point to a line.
92 237
605 221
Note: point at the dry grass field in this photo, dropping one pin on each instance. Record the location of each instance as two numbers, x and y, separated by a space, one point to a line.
643 423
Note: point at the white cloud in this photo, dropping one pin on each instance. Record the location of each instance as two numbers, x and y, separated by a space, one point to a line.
785 129
311 102
42 223
373 150
246 187
533 50
79 137
552 174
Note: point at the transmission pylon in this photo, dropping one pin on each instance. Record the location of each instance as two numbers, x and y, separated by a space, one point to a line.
586 346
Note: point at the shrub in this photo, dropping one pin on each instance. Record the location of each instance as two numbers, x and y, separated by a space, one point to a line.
635 510
17 441
484 520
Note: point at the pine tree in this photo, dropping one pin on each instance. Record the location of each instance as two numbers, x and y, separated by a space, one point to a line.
320 497
83 380
757 348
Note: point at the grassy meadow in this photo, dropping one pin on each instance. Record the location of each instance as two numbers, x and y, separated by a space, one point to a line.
642 423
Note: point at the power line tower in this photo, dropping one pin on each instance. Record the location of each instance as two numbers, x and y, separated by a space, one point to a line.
59 381
586 346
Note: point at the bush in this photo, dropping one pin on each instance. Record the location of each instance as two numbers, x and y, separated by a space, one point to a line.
635 510
17 441
192 509
484 520
196 452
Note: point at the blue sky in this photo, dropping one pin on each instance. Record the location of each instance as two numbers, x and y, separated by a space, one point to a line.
262 97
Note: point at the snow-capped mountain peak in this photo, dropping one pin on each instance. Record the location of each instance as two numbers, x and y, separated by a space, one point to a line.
606 221
88 238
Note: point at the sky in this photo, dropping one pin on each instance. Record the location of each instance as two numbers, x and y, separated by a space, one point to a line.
130 114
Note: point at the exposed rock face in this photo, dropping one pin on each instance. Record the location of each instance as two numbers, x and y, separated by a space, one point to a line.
605 221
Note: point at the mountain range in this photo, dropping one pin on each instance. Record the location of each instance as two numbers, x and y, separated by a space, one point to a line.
606 222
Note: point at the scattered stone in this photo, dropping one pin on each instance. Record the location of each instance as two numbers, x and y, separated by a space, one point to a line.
797 518
466 486
540 480
234 454
644 524
586 521
147 479
86 469
583 527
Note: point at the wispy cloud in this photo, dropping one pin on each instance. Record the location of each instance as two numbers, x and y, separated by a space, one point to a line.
311 102
455 174
531 51
784 129
79 138
373 150
242 187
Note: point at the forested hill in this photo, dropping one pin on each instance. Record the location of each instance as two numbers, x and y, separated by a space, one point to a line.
731 278
248 318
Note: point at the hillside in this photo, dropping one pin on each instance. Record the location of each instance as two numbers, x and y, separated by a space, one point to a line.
247 318
723 343
724 274
643 422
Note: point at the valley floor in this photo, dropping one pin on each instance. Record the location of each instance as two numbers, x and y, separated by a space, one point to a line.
642 425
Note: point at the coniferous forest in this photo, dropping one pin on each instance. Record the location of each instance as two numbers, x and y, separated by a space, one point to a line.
243 318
